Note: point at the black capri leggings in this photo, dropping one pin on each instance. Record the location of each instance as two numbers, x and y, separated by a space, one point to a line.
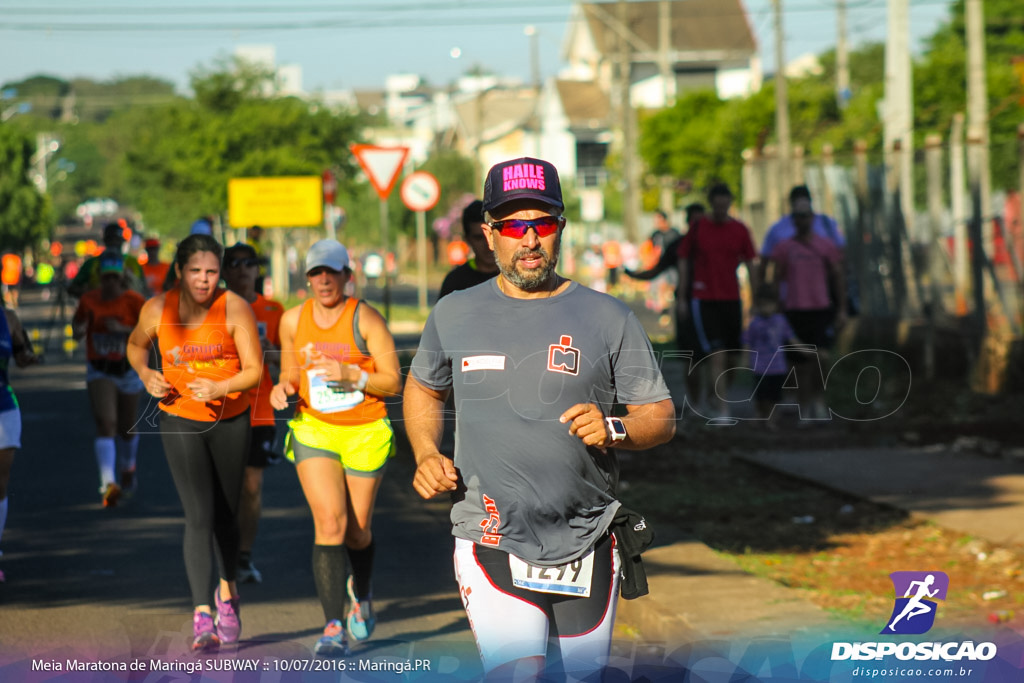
207 461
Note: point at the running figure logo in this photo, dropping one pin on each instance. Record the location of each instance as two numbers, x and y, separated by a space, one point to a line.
914 613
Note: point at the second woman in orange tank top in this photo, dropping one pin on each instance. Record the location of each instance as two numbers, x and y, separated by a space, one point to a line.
209 358
338 355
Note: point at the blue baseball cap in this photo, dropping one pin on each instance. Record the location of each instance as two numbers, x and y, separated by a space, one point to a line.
201 227
111 263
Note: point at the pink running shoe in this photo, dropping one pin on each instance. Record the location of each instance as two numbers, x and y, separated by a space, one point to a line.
229 621
205 633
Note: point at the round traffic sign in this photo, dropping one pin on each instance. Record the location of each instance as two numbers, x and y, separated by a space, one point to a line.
420 191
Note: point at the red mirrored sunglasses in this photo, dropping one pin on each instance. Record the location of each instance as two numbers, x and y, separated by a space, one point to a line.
517 227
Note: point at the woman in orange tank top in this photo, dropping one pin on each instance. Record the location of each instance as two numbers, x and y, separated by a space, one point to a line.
339 357
209 358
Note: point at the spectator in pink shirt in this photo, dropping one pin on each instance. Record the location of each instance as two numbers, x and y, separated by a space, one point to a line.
809 274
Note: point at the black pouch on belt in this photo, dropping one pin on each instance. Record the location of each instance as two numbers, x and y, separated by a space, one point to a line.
633 535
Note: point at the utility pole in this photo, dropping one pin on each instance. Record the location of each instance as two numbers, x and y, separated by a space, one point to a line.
842 57
977 113
534 123
631 191
668 84
479 142
668 81
781 103
958 206
46 145
978 183
532 34
898 116
932 292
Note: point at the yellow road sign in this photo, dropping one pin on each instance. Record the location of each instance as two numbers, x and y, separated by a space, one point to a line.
285 201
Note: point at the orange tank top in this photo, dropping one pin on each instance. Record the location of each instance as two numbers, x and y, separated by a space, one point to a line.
191 353
108 323
318 398
268 320
155 273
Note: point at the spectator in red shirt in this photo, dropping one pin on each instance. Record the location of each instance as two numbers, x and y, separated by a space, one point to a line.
709 256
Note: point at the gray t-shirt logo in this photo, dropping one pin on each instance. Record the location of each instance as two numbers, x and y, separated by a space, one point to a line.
562 357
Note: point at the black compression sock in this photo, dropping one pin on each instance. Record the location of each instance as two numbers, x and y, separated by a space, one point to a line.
362 569
329 574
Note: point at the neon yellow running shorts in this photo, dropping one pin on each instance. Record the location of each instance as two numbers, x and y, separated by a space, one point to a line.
362 449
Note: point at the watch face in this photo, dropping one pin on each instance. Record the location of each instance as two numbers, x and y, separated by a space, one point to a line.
616 426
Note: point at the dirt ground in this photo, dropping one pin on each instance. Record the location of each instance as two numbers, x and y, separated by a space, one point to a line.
837 548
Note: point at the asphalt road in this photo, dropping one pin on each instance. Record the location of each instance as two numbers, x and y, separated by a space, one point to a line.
108 585
97 586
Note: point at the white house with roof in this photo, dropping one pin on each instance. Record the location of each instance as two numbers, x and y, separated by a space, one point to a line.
709 43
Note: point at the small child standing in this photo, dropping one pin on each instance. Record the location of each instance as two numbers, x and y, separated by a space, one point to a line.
766 334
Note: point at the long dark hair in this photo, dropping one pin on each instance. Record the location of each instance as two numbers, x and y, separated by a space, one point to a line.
193 244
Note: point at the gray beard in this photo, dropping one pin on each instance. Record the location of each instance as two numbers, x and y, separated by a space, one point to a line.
533 280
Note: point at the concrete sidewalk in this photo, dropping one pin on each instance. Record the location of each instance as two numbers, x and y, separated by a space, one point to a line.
697 594
954 487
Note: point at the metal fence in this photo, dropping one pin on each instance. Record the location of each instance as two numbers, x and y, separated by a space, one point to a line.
953 264
936 263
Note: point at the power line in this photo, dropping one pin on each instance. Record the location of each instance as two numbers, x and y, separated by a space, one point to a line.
381 8
386 12
375 8
312 24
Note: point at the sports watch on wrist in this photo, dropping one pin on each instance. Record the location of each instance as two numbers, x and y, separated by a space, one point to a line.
616 428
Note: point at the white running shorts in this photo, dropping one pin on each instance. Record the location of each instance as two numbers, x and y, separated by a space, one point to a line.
511 623
10 429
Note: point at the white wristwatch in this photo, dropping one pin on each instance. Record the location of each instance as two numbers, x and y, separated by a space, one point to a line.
616 428
364 377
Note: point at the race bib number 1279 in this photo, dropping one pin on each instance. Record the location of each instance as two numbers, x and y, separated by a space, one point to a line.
572 578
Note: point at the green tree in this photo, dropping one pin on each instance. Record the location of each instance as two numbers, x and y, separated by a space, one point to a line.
702 138
230 82
940 82
44 94
178 157
79 170
24 213
96 101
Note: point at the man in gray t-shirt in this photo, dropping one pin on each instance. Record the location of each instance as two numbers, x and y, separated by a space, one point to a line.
535 362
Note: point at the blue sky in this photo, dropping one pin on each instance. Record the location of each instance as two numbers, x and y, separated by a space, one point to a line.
356 43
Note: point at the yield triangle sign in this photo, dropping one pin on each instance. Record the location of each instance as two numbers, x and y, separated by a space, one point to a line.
381 164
